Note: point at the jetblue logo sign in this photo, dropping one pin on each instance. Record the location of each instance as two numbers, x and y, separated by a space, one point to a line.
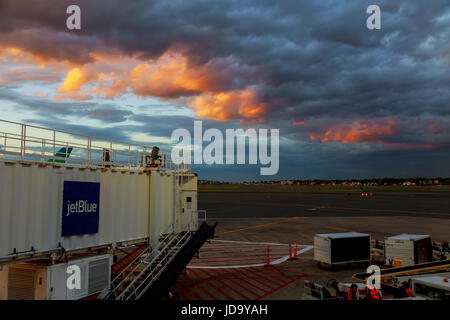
81 208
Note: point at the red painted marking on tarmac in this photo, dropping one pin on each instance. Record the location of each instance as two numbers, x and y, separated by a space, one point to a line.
239 249
227 261
247 282
226 285
279 288
184 289
259 275
252 284
236 283
241 260
242 250
270 275
203 290
291 271
282 275
206 265
239 253
227 258
191 289
256 280
211 284
214 247
235 255
251 253
228 281
217 254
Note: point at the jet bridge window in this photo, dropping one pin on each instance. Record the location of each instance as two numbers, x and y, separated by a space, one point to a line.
188 203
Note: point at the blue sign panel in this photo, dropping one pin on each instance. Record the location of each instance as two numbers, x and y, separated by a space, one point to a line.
81 208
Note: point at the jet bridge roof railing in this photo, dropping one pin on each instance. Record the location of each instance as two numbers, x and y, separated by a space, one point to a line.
23 142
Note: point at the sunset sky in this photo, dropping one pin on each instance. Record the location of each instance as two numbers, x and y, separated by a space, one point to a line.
349 102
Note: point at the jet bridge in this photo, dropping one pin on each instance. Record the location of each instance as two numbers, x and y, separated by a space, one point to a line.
67 193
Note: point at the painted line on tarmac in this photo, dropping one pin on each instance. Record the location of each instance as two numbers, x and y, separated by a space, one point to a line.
256 243
225 248
226 284
229 257
237 285
340 208
224 275
293 280
278 261
259 226
247 276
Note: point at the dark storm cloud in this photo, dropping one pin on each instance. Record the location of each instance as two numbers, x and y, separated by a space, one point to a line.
297 51
44 107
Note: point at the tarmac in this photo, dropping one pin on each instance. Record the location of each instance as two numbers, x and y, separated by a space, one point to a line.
232 265
260 205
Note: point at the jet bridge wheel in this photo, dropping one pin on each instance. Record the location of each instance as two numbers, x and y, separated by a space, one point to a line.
332 283
326 266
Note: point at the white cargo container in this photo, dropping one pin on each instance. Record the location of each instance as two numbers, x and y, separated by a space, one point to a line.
40 282
341 248
409 248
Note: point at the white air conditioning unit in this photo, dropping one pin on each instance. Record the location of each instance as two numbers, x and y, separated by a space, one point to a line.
29 281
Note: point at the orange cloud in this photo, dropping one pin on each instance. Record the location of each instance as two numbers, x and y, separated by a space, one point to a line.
110 86
15 55
18 55
170 76
75 79
299 123
360 131
230 105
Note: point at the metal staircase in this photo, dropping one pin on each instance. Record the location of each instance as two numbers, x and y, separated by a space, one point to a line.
133 281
